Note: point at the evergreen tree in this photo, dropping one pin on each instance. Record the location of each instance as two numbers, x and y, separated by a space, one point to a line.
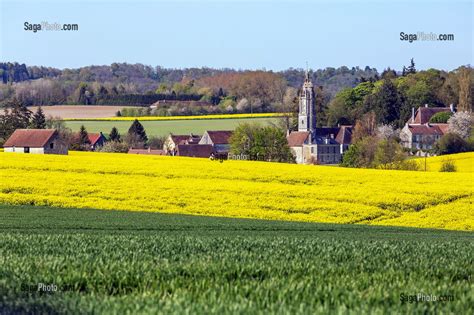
39 120
80 142
114 135
404 71
136 135
83 136
385 103
411 68
20 114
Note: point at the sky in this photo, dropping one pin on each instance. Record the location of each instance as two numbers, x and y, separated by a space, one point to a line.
261 34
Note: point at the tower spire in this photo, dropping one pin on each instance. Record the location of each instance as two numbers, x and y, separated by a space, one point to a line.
307 72
307 115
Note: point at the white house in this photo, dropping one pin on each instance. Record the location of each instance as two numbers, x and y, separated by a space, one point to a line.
35 141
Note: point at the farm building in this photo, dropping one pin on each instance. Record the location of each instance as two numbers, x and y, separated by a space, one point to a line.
172 141
195 150
36 141
218 139
96 140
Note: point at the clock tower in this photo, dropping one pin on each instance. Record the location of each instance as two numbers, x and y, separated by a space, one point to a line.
307 115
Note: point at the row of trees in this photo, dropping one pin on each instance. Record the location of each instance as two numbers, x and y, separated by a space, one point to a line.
390 95
125 84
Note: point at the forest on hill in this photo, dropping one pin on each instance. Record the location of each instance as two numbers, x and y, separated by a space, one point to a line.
343 95
124 84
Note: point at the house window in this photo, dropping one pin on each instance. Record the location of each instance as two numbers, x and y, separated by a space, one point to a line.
26 150
51 145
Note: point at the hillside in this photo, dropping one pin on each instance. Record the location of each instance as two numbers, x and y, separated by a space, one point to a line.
239 189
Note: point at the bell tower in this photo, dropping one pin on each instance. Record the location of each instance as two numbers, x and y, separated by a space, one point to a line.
307 115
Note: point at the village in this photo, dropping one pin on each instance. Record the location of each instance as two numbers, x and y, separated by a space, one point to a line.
309 144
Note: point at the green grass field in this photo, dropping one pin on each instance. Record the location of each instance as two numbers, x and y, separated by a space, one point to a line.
161 128
130 262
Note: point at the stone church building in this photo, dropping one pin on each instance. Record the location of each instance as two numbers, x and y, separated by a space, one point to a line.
312 145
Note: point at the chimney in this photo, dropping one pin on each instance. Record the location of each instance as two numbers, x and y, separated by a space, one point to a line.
412 114
426 105
451 107
149 149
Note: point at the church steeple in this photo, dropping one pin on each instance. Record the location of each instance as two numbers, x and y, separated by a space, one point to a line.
307 115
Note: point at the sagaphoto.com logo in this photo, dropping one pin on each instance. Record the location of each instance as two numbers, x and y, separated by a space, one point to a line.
46 26
423 36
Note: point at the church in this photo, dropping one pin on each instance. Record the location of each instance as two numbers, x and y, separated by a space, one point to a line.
312 145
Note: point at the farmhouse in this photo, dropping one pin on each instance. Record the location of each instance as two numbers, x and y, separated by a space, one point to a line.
418 133
220 140
96 140
35 141
316 145
172 141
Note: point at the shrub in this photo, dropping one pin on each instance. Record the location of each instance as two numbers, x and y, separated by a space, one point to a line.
408 165
448 166
113 147
440 118
451 143
156 142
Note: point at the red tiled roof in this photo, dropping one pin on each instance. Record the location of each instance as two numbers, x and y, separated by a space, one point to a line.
94 137
220 136
428 129
344 136
179 139
146 151
443 127
424 114
35 138
195 150
297 138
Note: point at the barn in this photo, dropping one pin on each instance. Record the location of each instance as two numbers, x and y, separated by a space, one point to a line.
35 141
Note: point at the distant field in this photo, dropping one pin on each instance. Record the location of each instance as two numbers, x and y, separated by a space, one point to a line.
79 111
193 117
120 262
161 128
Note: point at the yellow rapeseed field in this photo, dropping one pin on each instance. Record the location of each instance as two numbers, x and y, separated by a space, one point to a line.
239 189
161 118
464 162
